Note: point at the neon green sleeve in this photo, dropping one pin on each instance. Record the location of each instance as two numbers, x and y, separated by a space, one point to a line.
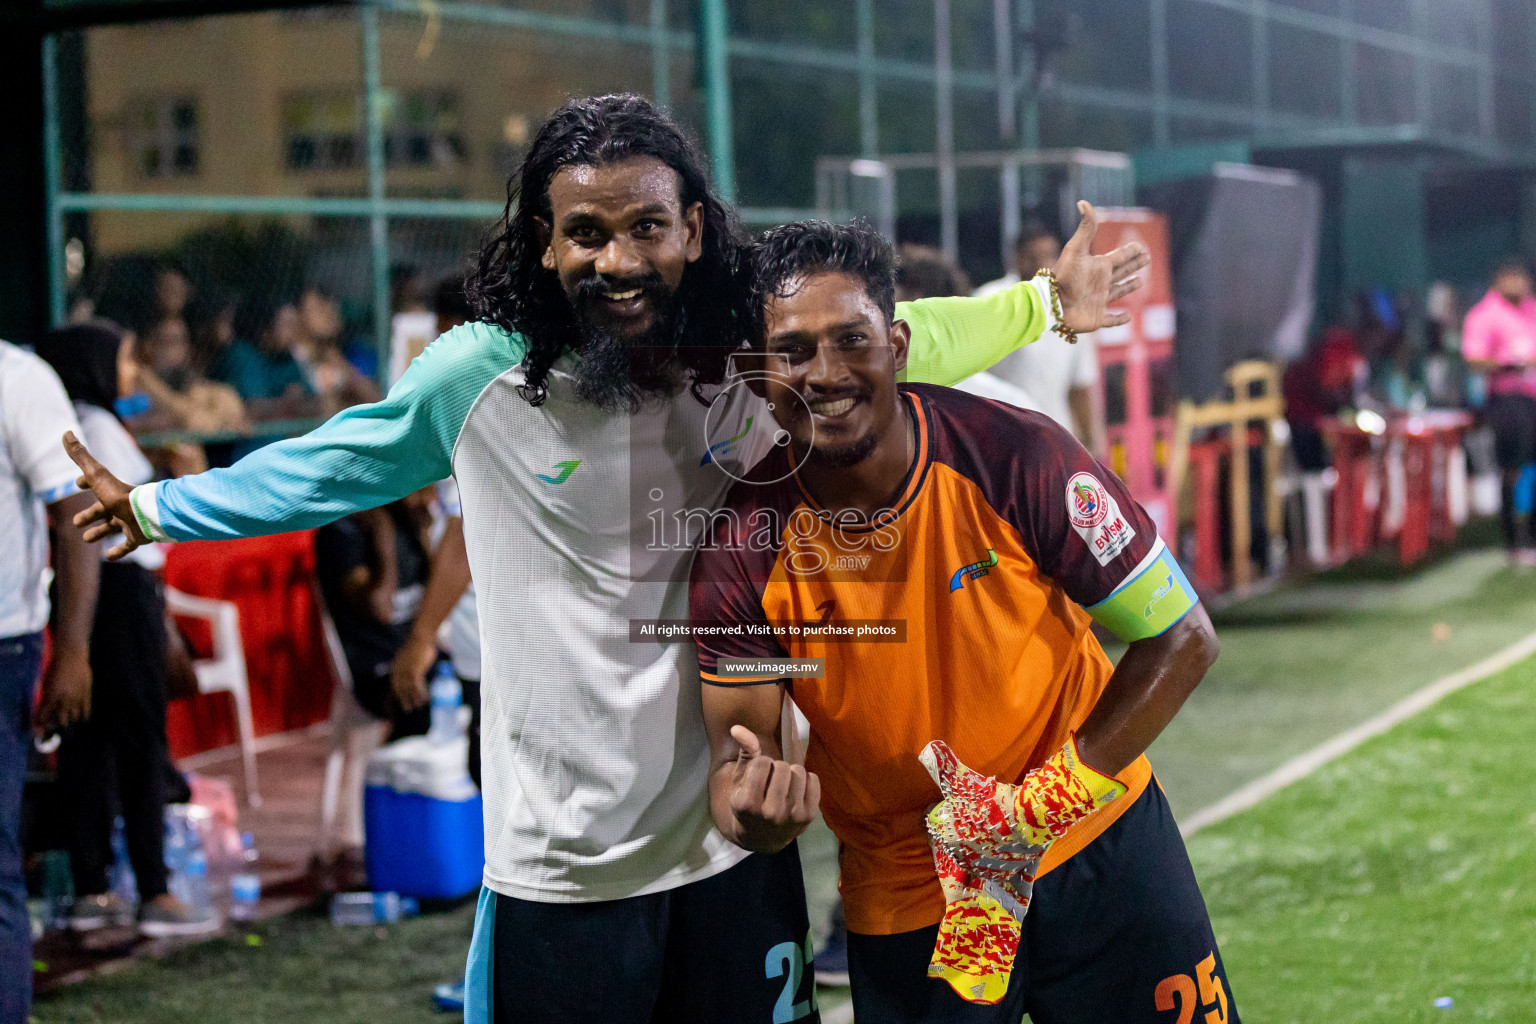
956 338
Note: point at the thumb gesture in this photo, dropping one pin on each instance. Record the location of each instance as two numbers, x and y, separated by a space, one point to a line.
773 800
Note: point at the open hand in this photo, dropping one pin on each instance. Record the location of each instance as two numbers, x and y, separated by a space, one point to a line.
112 512
774 801
1089 284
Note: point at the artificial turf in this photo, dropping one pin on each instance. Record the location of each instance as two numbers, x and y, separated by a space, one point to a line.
1402 873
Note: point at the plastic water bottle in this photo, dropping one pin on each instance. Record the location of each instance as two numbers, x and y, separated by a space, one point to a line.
124 884
447 699
176 851
370 907
185 861
198 895
245 884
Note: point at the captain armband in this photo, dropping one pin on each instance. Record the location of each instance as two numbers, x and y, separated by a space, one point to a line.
1152 598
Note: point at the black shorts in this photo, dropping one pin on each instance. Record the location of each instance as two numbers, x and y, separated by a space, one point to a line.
1117 933
1513 420
732 948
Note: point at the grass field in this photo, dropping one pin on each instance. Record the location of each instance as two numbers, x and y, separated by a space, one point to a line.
1396 875
1401 873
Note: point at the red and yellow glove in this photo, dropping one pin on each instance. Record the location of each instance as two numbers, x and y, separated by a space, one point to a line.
987 839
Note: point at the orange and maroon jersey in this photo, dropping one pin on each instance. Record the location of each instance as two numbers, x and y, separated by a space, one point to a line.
975 586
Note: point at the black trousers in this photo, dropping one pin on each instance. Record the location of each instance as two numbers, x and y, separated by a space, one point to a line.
117 756
1116 935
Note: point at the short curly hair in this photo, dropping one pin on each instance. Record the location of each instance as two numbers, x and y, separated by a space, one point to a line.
782 256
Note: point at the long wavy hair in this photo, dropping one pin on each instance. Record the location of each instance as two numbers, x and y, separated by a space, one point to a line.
510 286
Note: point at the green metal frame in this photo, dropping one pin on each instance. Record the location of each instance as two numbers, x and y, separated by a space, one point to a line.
715 51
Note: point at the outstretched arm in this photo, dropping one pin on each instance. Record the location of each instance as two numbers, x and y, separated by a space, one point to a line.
361 458
759 802
956 338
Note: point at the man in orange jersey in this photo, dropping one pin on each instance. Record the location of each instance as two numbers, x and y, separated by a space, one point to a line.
972 747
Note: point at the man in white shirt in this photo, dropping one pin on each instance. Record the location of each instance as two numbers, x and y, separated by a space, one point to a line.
1059 378
37 496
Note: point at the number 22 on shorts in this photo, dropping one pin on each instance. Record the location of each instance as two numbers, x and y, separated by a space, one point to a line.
1178 991
788 960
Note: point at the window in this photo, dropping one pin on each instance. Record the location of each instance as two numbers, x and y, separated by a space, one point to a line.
165 137
324 131
422 129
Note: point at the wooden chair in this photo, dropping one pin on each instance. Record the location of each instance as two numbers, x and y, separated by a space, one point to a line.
1236 414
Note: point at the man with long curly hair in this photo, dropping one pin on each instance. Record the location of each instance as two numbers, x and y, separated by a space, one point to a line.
590 422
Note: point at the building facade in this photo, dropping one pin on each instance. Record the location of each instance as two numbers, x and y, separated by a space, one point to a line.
1418 116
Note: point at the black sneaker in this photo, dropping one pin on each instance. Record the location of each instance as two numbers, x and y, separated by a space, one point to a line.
832 958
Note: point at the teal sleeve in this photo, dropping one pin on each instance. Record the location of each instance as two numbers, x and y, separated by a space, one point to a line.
363 457
956 338
1156 596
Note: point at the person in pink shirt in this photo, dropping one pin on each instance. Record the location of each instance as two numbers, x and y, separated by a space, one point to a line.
1499 339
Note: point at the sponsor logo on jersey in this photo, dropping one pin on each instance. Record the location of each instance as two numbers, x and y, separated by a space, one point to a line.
972 571
720 449
1095 515
566 469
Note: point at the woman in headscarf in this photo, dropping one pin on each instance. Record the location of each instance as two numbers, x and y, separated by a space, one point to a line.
122 746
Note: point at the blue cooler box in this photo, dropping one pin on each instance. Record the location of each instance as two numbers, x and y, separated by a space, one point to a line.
423 819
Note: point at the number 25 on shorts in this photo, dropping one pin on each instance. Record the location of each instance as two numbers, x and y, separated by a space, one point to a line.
1177 991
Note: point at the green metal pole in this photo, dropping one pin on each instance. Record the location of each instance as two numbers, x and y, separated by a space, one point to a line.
869 94
378 224
661 56
717 93
52 170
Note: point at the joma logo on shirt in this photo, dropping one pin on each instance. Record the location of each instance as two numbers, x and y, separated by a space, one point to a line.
566 469
720 449
970 572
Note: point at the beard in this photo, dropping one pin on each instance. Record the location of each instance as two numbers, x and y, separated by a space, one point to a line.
622 374
844 455
848 453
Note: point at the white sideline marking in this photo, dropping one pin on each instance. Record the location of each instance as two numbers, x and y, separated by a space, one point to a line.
1305 764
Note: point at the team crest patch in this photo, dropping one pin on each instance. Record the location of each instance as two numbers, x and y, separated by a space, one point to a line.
1095 515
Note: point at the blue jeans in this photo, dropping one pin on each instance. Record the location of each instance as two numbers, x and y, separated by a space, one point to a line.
20 659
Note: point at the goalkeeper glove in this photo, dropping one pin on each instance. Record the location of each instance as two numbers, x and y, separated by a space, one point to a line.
988 838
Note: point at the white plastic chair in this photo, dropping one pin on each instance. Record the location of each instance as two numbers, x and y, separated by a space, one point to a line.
225 671
355 735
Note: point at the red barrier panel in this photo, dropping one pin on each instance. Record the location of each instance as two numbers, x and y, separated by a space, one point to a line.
270 580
